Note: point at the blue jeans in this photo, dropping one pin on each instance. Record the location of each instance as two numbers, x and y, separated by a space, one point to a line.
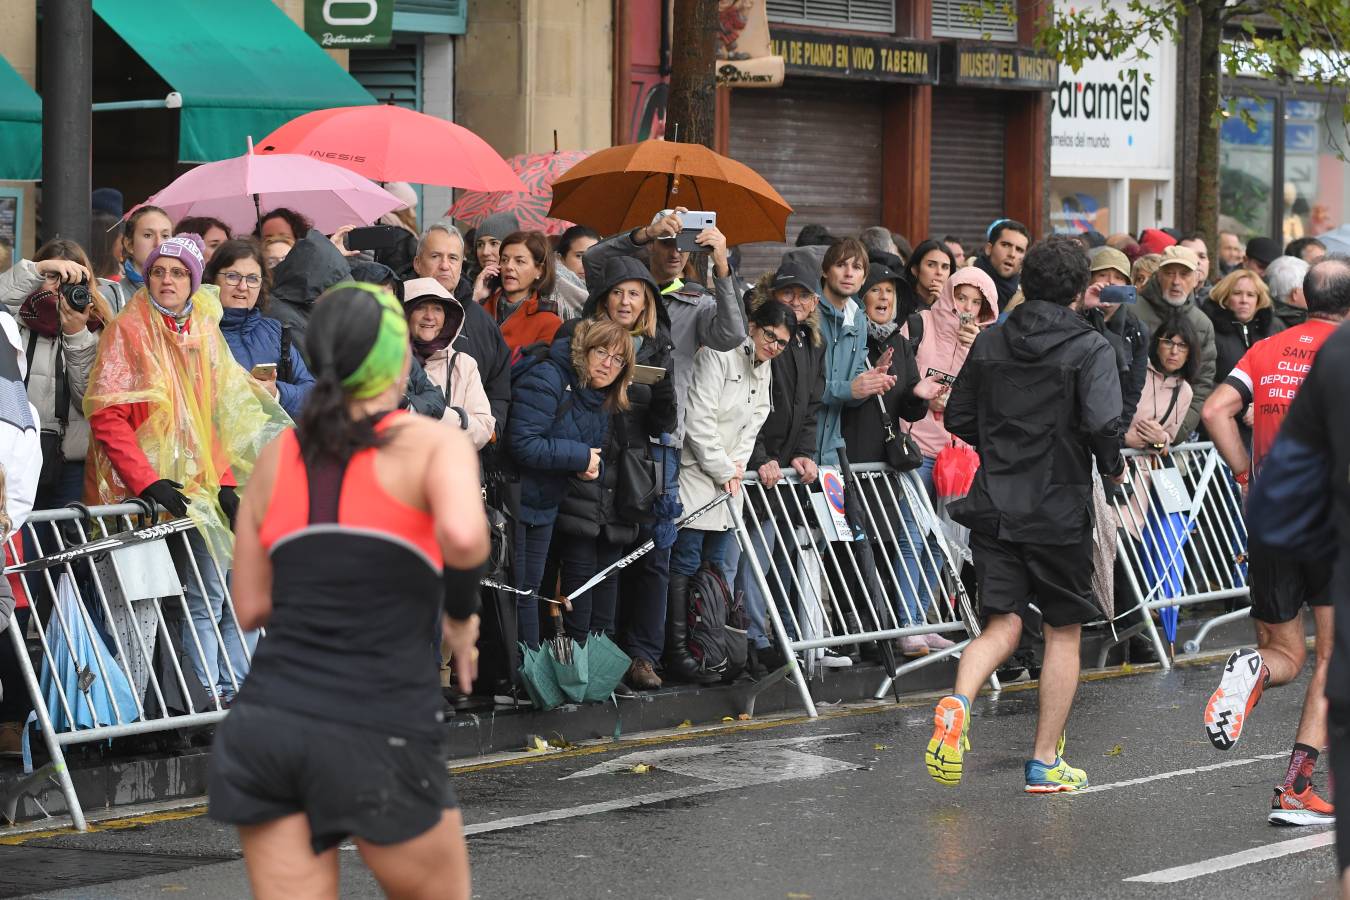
694 547
767 547
532 542
208 614
916 568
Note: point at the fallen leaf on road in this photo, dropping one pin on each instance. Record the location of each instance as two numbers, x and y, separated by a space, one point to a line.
1114 751
640 769
1126 669
560 742
535 744
792 896
744 717
728 719
881 747
685 724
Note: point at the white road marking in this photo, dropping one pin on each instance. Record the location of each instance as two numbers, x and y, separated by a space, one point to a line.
1234 860
1162 776
722 767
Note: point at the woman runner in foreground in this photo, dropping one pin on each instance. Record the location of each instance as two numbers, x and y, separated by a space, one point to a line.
363 524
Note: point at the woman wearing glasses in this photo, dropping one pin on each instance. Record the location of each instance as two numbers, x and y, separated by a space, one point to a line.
1172 364
258 343
174 421
728 402
561 405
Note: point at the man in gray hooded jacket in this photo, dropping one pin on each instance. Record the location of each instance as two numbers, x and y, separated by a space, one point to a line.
697 318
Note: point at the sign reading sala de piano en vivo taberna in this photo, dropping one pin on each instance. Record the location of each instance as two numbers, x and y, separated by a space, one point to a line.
336 24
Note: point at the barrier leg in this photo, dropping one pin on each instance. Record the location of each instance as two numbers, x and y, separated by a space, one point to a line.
58 758
1193 645
748 555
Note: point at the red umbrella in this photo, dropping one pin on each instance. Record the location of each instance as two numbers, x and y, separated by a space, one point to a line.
390 143
537 171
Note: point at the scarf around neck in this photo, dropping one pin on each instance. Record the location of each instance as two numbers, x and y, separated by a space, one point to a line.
129 270
881 333
1006 287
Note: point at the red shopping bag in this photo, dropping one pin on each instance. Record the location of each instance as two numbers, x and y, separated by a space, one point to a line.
954 471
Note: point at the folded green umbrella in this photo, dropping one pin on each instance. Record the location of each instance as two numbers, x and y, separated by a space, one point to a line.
569 663
537 675
608 664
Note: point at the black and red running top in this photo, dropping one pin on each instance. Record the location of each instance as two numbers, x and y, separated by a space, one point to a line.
356 598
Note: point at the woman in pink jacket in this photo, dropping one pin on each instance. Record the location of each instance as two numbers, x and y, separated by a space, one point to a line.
434 321
967 304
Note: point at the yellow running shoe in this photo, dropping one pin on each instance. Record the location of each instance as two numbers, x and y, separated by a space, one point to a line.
951 726
1057 778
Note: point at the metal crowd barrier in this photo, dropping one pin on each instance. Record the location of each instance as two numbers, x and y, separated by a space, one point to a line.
1182 540
831 587
112 648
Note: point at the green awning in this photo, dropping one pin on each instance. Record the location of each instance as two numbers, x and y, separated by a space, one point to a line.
243 67
20 127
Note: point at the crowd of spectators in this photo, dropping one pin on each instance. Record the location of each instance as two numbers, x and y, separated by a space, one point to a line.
574 363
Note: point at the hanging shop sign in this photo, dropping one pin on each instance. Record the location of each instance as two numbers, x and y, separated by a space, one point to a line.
336 24
743 55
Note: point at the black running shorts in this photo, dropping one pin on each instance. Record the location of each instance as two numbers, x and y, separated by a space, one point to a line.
1280 586
267 763
1056 578
1338 729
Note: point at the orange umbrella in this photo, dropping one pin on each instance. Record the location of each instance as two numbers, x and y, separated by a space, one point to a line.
623 187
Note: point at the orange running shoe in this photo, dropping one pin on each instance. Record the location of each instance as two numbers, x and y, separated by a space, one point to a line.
951 722
1288 808
1236 696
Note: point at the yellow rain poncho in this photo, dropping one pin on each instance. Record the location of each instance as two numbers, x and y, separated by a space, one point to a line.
168 404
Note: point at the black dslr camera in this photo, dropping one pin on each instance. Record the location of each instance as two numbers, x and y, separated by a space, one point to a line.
77 296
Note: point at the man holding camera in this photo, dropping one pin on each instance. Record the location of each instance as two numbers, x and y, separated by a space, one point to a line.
697 318
1110 317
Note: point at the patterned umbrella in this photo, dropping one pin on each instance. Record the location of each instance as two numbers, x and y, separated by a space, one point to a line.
537 171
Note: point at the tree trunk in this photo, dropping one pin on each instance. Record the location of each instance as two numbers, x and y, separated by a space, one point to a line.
1207 143
693 59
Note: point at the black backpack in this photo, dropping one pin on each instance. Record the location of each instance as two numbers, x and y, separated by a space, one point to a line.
716 619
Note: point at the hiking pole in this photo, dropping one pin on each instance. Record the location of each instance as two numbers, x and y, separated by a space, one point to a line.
647 547
869 568
103 545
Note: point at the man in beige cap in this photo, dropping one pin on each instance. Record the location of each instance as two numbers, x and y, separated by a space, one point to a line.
1120 327
1168 293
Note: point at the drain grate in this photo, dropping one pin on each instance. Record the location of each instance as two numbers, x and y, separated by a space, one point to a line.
27 870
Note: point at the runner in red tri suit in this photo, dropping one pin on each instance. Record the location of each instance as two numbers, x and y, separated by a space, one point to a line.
1267 378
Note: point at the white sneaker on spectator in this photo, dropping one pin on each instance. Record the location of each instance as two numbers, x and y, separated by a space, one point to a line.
937 642
831 660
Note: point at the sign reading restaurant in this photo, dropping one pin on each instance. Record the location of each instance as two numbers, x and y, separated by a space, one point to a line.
855 56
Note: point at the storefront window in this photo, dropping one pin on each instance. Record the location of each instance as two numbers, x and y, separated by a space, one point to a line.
1316 188
1246 168
1080 204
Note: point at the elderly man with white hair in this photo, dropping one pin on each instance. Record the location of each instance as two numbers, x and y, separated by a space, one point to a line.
1284 277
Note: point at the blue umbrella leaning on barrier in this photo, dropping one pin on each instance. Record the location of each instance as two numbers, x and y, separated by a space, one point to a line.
81 669
562 669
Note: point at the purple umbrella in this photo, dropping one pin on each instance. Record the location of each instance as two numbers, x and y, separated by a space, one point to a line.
240 191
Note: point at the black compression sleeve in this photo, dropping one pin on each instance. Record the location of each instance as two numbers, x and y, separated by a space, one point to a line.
461 591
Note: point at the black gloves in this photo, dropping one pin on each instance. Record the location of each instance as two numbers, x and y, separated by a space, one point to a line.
229 502
168 494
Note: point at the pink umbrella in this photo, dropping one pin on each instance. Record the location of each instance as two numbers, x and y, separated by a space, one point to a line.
537 172
240 191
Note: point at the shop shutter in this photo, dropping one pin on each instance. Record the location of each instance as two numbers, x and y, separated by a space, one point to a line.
967 19
967 164
391 72
860 15
820 147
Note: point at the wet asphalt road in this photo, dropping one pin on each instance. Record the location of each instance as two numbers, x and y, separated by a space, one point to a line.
840 807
